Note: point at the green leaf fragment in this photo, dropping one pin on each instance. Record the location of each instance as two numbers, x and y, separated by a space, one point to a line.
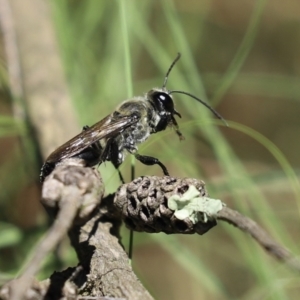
194 206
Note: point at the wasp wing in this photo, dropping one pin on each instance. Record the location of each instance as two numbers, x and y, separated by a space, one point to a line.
108 127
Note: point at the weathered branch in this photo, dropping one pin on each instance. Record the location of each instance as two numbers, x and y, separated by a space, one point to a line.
72 193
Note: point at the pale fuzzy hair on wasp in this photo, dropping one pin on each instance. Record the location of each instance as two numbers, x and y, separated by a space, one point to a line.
119 133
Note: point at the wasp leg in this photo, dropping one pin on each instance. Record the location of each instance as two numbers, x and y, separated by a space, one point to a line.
111 153
120 176
150 161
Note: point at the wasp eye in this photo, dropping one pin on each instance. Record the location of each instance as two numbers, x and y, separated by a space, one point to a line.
162 97
163 101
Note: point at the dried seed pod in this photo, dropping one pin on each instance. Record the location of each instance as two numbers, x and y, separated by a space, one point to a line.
143 204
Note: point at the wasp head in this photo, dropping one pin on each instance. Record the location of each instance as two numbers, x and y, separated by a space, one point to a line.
163 105
162 102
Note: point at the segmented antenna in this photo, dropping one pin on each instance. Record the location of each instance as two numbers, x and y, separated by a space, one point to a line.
188 94
170 69
201 101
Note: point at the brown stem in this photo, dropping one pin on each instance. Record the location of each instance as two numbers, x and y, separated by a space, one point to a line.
260 236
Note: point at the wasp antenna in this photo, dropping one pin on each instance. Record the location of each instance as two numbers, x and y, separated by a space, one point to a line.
170 69
202 102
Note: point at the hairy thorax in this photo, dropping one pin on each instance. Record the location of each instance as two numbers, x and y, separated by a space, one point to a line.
131 137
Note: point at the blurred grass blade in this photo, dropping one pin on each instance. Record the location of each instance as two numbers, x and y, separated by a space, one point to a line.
277 154
124 24
242 53
10 127
10 235
192 264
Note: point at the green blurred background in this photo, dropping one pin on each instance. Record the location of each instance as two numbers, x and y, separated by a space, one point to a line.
242 57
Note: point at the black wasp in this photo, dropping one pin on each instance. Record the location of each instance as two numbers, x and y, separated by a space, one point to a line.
120 132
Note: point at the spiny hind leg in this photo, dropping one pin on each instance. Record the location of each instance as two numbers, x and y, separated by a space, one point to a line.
150 161
112 153
119 172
